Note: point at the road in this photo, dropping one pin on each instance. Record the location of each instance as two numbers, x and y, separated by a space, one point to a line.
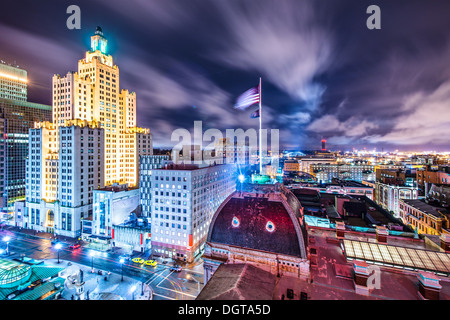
166 284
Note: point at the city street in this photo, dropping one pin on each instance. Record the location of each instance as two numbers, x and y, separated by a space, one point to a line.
166 284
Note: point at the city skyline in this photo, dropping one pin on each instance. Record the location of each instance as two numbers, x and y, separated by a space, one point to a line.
325 75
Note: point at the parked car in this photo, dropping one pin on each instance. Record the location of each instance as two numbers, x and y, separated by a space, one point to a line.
138 260
151 263
176 268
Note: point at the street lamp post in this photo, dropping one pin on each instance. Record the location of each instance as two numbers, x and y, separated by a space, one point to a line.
241 180
6 239
122 261
132 289
92 254
58 247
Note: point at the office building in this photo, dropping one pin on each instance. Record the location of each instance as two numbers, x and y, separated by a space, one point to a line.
355 171
17 115
306 162
93 94
146 165
13 82
61 176
91 143
184 198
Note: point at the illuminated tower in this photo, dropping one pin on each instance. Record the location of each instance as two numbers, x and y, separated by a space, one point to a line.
101 119
93 94
323 144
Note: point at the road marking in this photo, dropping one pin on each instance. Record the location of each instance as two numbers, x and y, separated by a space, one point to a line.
177 292
157 275
160 295
164 278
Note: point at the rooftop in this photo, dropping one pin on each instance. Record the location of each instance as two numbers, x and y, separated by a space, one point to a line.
260 223
425 207
331 274
239 282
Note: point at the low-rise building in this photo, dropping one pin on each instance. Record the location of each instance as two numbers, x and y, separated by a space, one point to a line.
291 166
355 171
433 174
388 196
113 205
423 217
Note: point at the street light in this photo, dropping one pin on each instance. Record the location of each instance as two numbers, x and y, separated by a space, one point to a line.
122 261
241 178
132 289
6 239
58 247
92 254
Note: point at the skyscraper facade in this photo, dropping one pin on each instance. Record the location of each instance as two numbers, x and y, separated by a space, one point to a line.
184 199
16 118
93 94
91 143
13 82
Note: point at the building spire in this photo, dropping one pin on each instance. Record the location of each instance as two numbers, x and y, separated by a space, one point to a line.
98 41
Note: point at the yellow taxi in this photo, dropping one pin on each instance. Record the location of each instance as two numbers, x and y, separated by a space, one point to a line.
151 263
138 260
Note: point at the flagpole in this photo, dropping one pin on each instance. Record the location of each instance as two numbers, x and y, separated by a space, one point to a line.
260 129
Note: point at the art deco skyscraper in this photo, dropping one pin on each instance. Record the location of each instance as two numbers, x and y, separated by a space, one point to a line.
93 142
94 94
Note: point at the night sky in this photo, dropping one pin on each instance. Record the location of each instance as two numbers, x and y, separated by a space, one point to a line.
324 74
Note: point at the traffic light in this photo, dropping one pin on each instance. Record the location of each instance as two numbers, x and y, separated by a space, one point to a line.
290 294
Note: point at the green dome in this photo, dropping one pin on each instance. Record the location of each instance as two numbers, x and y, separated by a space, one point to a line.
13 274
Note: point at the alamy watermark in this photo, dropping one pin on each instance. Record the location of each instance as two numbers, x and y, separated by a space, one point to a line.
237 146
74 20
374 279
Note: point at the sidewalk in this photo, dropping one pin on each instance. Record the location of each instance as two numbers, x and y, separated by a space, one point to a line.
97 287
39 234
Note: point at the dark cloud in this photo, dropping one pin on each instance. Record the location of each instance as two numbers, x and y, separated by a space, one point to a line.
324 73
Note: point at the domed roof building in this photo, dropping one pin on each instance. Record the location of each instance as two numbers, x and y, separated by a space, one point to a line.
28 280
13 274
264 229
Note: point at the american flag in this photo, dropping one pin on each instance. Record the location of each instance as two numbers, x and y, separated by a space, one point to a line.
247 99
255 114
